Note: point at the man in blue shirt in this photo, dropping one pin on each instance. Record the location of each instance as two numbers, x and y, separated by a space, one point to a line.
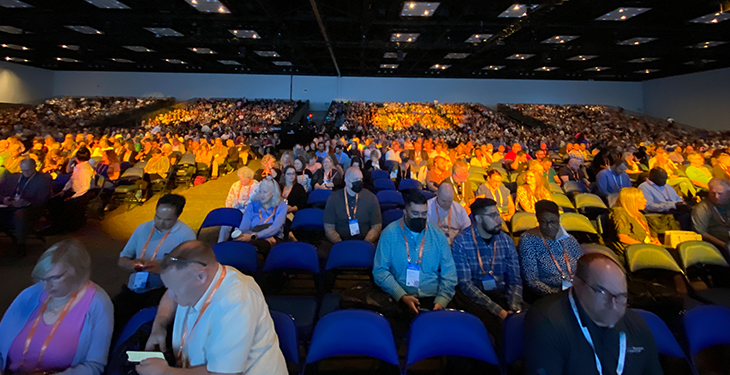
612 180
487 267
342 158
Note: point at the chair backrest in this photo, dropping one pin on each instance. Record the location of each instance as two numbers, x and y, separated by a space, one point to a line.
390 216
286 330
476 178
353 332
522 221
390 197
555 189
222 216
308 218
383 184
666 342
390 164
318 197
351 253
380 174
292 256
700 252
612 199
563 201
596 248
141 317
573 222
707 326
574 187
449 332
588 200
428 194
477 170
409 184
648 256
513 347
238 254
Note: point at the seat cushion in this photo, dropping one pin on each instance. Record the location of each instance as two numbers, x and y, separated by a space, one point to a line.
126 189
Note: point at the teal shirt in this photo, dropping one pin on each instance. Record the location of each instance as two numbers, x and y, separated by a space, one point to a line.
437 270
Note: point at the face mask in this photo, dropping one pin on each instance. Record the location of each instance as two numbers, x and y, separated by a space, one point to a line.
405 160
356 186
417 224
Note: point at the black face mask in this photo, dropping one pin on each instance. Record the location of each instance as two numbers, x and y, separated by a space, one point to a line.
405 160
417 224
356 186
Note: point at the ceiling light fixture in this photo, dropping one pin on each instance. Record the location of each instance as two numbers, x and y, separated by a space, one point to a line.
163 31
478 38
245 34
517 11
208 6
107 4
560 39
635 41
404 37
14 4
520 56
622 14
712 18
418 9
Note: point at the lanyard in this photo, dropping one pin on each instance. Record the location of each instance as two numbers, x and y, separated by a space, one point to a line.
723 219
19 190
587 335
660 192
501 199
456 189
248 191
448 220
146 244
347 205
287 191
565 256
184 335
479 256
261 217
420 250
57 324
643 226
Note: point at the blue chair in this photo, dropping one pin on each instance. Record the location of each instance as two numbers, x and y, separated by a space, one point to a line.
351 253
140 318
222 217
409 184
449 332
391 216
513 347
706 326
309 219
292 255
665 341
428 194
383 184
353 332
318 198
380 175
390 199
238 254
286 330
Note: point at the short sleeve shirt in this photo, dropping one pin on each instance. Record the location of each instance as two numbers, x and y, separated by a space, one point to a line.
367 215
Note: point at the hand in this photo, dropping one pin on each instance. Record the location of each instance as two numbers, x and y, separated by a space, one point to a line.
436 306
157 340
411 302
271 241
152 366
7 201
246 237
656 241
503 314
137 265
152 266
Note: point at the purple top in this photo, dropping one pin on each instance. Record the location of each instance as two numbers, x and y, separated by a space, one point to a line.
61 350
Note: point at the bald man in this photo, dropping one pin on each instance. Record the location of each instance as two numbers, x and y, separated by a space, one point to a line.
560 328
446 214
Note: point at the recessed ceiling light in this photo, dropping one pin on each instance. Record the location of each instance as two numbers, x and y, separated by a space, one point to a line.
15 47
267 53
404 37
88 30
163 31
700 62
418 9
246 34
622 14
493 67
478 38
635 41
597 69
456 56
229 62
16 59
647 71
203 51
520 56
517 11
560 39
582 57
71 47
709 44
67 59
11 30
712 18
439 67
546 68
139 49
107 4
208 6
393 55
125 61
389 66
175 61
14 4
644 60
282 63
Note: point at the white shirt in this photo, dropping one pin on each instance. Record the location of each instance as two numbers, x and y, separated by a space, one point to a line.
659 198
459 218
236 334
80 181
393 155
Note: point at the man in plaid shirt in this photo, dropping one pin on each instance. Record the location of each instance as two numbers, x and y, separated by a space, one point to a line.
487 267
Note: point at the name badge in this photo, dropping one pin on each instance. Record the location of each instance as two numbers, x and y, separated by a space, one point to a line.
354 227
488 282
413 275
567 284
393 174
17 197
140 280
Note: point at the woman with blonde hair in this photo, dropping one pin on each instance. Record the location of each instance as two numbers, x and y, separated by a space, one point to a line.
630 224
263 219
531 191
268 168
62 323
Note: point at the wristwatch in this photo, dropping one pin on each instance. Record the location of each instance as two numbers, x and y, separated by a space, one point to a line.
253 237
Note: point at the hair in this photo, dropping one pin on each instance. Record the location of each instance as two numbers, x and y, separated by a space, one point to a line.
275 197
719 181
545 206
175 200
618 161
332 158
493 172
357 159
286 153
111 156
583 265
459 165
70 253
695 155
83 154
656 171
375 152
192 251
480 205
415 197
268 158
245 172
627 198
282 181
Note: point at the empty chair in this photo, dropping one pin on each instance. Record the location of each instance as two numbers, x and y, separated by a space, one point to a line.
391 216
522 221
700 253
705 327
590 205
140 318
666 342
555 189
380 174
580 227
308 225
318 198
477 170
390 199
512 345
383 184
648 256
563 202
286 330
409 184
351 254
238 254
222 217
476 178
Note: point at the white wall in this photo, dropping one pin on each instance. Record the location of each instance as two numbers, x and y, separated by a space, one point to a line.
24 84
699 99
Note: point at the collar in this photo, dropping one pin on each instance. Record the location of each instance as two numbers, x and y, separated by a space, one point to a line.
199 305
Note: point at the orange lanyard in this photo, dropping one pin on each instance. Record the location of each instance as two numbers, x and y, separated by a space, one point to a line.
347 205
248 188
448 221
286 192
565 256
420 250
660 192
57 324
479 256
501 198
146 244
184 335
261 217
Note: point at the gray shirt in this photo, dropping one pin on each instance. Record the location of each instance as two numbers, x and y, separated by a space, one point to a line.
710 219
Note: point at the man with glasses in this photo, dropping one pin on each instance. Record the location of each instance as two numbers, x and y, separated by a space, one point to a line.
487 267
221 321
494 189
588 329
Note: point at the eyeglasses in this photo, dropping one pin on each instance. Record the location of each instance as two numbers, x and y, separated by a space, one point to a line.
53 279
621 299
178 260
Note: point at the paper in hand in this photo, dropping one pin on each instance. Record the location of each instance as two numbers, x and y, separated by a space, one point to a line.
133 356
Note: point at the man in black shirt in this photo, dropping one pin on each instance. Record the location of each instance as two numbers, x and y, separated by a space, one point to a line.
587 329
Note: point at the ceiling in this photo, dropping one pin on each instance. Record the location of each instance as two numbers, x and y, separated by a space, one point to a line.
354 36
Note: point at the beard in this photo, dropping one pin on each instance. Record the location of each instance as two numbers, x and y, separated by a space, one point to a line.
493 231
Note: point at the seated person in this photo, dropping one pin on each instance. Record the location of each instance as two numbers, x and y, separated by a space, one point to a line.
413 263
74 311
142 255
556 338
532 191
268 168
437 173
230 331
328 176
263 219
304 176
547 254
479 160
342 158
109 167
711 217
67 208
156 168
447 215
574 171
549 173
697 172
220 152
312 164
203 157
496 191
404 169
242 190
459 180
291 191
682 184
662 198
722 167
487 267
612 180
630 224
25 196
